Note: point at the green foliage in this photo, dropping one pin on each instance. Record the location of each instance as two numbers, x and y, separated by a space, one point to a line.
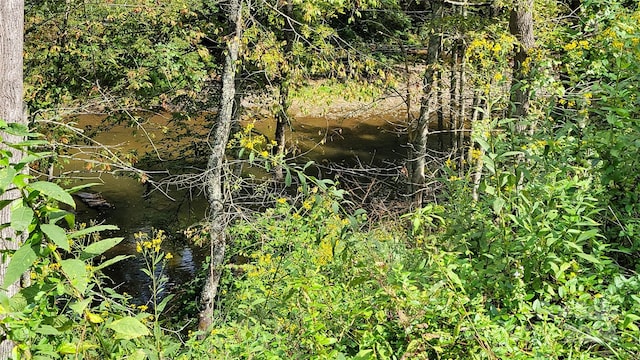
65 309
131 54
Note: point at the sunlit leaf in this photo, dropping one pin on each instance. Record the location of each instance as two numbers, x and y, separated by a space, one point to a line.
21 217
99 247
20 262
129 328
76 273
56 234
53 191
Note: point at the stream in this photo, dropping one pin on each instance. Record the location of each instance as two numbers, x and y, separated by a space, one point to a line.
372 140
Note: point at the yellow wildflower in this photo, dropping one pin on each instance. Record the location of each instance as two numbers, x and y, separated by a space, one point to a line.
138 247
281 200
168 256
497 76
570 46
618 44
143 307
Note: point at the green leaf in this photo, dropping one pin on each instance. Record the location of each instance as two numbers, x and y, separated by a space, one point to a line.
509 154
21 217
21 261
364 355
484 145
80 187
79 306
587 235
98 248
589 257
53 191
76 272
489 164
287 178
57 234
6 177
67 348
92 229
498 204
129 328
454 278
112 261
47 330
17 129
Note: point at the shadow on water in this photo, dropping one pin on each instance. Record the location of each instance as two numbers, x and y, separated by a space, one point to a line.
375 141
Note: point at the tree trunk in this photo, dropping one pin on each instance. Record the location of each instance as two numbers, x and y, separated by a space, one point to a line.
11 111
462 105
521 26
282 116
218 217
420 135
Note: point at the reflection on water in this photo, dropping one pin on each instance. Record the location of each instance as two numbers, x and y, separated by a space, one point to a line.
372 140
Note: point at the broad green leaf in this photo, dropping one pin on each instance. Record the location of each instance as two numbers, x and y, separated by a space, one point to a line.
454 278
76 272
498 204
92 229
53 191
57 234
112 261
79 306
98 248
138 355
364 355
17 129
287 178
509 154
163 304
47 330
484 145
94 318
129 328
21 217
21 261
589 257
6 177
80 187
67 348
588 235
489 164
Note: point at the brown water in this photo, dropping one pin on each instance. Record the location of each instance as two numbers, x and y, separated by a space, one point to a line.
373 140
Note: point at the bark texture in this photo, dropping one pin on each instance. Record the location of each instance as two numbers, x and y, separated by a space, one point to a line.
218 217
282 116
521 26
420 133
11 110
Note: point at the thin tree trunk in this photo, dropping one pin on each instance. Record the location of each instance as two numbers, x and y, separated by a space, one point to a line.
462 105
521 26
440 108
11 111
282 116
454 100
420 134
215 180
